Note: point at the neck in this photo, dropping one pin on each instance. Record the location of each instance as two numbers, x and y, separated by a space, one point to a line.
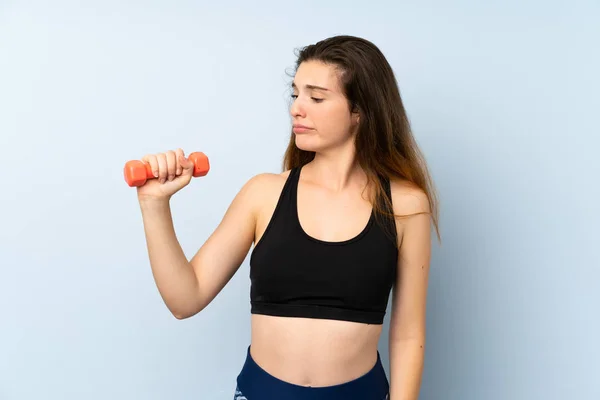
336 170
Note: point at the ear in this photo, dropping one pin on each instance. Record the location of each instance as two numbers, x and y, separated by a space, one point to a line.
356 118
355 113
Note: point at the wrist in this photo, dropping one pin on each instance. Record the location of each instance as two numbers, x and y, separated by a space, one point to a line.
150 202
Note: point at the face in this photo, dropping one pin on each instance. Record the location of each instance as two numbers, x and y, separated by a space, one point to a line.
320 106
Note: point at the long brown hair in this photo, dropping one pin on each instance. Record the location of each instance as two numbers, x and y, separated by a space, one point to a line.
385 146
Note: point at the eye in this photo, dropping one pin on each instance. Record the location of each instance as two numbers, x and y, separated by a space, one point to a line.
317 100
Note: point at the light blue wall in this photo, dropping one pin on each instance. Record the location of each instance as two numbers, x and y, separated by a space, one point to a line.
503 98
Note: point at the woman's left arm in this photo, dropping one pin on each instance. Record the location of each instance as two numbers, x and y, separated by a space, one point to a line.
407 324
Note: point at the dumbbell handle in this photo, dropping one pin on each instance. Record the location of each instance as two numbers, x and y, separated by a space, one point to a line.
137 172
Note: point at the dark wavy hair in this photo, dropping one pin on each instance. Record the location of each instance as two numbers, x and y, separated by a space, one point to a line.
385 145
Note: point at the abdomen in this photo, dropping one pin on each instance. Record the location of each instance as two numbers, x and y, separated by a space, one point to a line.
313 352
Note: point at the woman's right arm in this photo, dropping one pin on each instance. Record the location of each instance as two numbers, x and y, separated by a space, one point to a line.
185 286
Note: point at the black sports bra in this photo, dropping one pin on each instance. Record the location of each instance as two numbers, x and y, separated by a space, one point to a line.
295 275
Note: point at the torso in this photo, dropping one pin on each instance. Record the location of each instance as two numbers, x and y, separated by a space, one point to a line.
315 352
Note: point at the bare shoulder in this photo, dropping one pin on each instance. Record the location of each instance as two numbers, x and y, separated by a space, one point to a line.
414 230
408 198
262 188
266 181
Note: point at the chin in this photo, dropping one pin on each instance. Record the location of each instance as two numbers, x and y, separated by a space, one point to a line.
306 143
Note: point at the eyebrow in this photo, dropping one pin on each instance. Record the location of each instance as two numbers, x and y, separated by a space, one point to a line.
310 87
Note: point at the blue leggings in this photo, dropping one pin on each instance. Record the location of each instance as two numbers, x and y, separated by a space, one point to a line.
254 383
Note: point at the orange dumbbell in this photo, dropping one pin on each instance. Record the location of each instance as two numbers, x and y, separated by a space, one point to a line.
138 172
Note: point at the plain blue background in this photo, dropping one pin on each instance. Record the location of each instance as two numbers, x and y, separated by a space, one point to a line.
503 97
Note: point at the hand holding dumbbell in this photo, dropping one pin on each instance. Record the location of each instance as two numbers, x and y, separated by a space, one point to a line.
162 175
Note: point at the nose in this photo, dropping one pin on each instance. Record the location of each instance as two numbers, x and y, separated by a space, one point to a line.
297 110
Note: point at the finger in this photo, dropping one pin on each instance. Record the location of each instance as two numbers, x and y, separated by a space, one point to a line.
179 153
151 159
171 164
187 165
162 167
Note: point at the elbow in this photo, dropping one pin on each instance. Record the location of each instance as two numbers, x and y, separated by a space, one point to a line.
181 316
185 313
184 307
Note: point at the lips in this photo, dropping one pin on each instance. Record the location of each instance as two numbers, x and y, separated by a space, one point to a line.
299 128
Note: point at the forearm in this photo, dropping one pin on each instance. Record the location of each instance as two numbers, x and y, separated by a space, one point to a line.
406 368
173 273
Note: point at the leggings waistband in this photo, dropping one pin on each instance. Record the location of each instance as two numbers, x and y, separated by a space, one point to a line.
256 383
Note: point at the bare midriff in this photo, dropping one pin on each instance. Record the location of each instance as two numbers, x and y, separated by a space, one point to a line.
313 352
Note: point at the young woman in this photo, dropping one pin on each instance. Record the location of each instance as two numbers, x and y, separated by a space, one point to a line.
347 223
